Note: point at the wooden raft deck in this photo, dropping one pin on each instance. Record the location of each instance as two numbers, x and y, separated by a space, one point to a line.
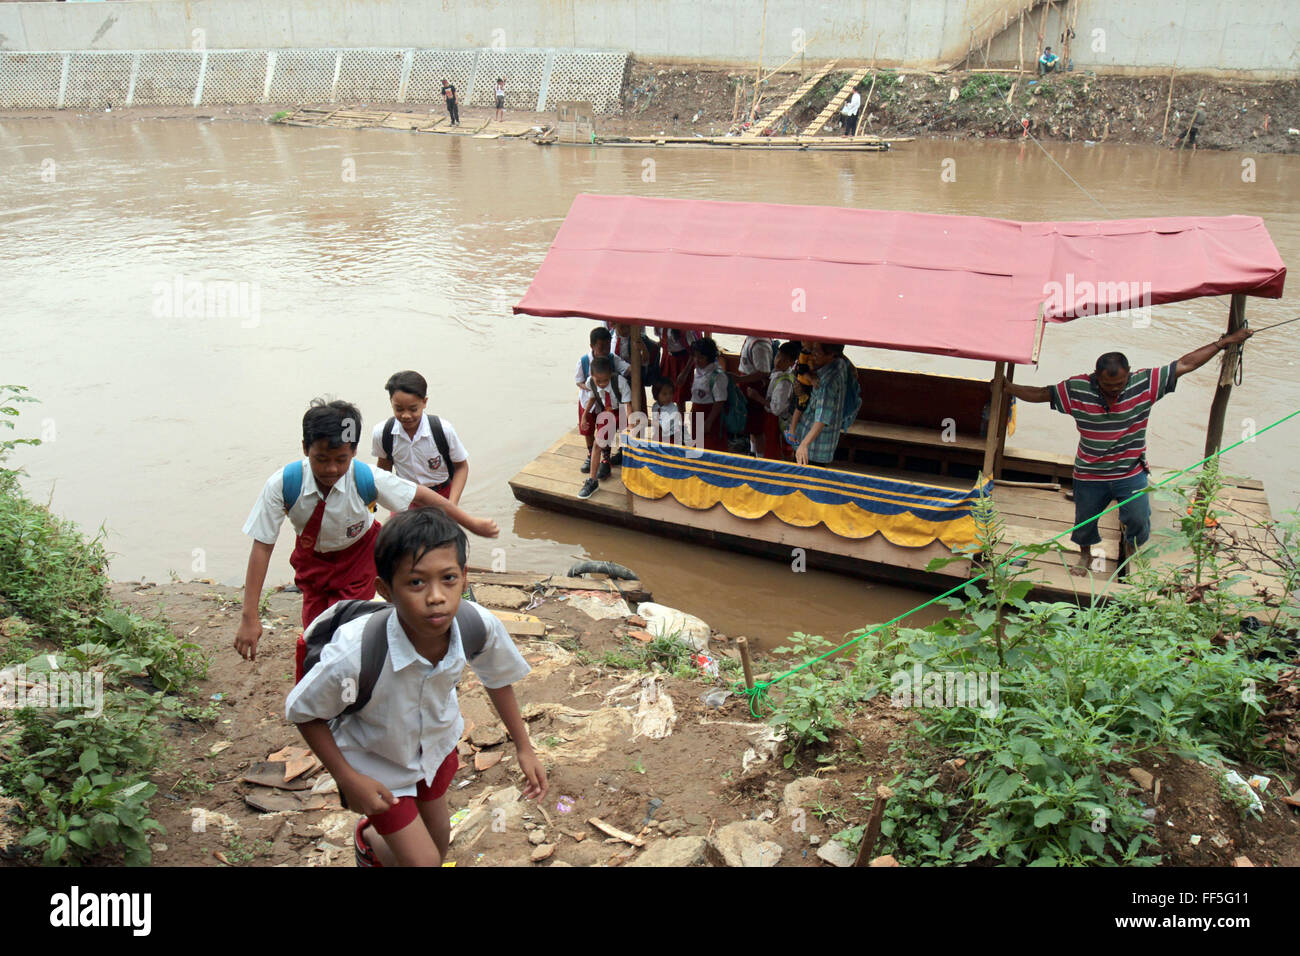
1031 515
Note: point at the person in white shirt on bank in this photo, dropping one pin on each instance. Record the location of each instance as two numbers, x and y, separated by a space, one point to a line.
849 112
379 708
417 446
327 497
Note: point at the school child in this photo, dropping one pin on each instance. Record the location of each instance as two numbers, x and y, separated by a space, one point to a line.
417 446
453 104
778 403
327 498
665 415
805 380
755 367
386 723
708 395
606 408
600 340
501 99
675 356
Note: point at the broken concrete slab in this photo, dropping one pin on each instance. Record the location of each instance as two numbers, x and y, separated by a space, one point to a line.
682 851
836 854
743 843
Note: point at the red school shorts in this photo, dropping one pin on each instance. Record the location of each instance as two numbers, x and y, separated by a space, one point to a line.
400 816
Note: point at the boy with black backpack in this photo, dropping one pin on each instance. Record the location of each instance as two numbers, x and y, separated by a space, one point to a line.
600 346
376 701
417 446
327 499
607 406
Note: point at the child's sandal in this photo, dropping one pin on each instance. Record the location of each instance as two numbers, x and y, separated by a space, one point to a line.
361 849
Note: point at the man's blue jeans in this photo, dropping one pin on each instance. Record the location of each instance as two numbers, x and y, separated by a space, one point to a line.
1092 497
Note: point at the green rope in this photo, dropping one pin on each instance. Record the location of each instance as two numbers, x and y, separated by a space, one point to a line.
758 697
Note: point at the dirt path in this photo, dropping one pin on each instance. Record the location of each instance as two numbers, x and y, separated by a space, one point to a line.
581 717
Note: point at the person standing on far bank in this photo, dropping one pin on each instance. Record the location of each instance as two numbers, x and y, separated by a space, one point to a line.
849 112
453 107
1110 407
1198 120
501 99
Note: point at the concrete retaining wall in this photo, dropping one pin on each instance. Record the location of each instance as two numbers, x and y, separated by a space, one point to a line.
1154 35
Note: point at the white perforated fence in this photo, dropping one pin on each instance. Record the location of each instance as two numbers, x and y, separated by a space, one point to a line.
534 79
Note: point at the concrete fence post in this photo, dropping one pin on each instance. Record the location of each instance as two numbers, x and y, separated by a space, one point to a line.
203 73
63 80
473 78
130 83
338 67
407 58
270 76
545 85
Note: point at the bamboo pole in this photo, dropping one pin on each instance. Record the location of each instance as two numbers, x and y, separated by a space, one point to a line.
635 352
742 644
995 416
872 833
1169 102
758 74
862 113
1227 370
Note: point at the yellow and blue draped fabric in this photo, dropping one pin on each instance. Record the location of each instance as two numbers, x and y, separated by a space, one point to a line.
909 514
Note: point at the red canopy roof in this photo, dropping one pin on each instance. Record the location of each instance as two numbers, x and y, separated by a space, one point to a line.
950 285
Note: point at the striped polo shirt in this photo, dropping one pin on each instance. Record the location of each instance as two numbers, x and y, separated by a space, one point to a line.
1112 438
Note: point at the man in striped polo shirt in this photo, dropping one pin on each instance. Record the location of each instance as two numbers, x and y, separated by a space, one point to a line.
1110 407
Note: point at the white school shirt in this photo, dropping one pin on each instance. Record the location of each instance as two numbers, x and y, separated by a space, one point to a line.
608 393
709 385
668 421
418 459
346 516
413 719
780 386
851 107
755 356
579 379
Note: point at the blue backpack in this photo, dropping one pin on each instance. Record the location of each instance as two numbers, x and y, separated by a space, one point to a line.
736 413
291 476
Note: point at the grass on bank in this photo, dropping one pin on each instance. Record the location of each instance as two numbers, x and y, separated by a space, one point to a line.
81 781
1182 663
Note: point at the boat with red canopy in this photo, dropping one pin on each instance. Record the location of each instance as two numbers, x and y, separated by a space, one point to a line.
923 445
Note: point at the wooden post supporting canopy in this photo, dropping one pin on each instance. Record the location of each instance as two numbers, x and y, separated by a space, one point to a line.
995 417
1227 370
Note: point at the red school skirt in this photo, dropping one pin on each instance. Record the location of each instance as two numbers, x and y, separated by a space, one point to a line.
327 577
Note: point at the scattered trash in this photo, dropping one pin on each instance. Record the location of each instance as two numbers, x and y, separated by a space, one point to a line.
707 663
565 804
655 714
600 605
1194 839
1149 814
1258 782
218 697
458 817
664 621
1235 780
715 698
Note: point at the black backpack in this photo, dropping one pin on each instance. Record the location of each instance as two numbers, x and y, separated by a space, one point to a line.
439 439
374 641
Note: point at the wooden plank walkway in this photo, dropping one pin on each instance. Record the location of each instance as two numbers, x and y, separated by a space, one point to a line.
1031 516
414 122
789 102
813 128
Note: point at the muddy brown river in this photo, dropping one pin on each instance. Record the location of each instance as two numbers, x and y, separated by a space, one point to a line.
352 254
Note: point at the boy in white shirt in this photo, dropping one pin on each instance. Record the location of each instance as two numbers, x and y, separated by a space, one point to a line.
665 415
607 407
416 446
394 756
599 339
778 403
327 499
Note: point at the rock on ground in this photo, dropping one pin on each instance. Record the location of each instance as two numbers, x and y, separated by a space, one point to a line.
683 851
836 854
748 843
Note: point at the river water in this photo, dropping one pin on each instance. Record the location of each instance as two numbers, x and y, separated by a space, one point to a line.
365 252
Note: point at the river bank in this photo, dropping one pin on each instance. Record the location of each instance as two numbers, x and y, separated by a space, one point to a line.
963 105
